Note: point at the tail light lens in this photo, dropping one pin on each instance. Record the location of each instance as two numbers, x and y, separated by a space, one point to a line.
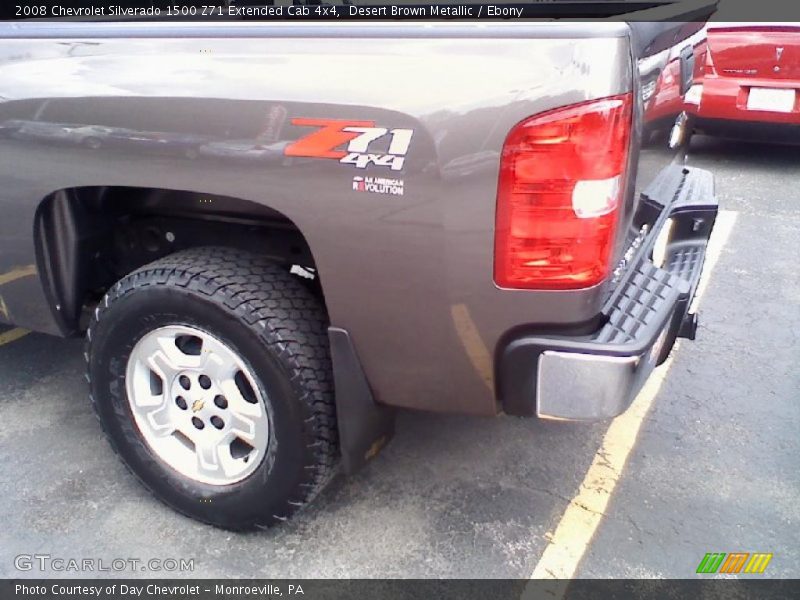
562 176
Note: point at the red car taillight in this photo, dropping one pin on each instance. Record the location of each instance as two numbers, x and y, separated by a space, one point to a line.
562 176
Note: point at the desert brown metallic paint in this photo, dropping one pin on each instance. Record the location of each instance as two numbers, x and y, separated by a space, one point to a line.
392 267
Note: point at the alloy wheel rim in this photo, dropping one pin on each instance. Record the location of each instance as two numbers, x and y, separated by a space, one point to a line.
197 405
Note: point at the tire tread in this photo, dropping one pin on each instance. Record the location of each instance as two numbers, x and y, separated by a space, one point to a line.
288 320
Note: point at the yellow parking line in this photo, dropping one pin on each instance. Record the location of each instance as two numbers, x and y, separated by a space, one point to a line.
17 273
570 540
12 335
7 277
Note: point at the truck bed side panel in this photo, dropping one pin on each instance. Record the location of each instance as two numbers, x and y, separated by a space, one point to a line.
408 276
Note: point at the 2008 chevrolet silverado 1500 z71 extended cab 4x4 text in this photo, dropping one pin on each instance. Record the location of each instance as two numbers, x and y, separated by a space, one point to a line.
274 235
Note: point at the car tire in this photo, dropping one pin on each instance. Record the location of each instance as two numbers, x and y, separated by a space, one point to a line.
210 312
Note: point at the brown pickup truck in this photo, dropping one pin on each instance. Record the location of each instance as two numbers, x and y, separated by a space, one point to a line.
275 235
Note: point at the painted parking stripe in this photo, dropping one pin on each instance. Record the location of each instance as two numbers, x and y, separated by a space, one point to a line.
17 273
12 335
13 275
570 540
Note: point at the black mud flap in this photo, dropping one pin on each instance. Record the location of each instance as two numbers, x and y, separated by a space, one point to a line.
365 427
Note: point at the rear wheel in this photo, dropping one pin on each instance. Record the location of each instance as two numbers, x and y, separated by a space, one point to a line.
210 374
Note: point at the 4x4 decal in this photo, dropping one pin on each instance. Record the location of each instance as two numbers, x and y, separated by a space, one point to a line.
356 136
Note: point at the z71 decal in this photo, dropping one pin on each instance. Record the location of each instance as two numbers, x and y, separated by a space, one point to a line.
332 134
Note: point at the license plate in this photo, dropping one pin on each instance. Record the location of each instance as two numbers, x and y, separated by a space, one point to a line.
771 100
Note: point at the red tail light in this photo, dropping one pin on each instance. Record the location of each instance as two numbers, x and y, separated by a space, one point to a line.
562 175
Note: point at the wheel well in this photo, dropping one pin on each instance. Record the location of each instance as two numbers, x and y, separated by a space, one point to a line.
87 238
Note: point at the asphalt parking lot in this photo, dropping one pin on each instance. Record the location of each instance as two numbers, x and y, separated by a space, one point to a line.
714 468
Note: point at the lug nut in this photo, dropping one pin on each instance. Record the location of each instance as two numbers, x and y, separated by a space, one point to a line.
205 382
181 402
184 381
198 423
221 402
217 422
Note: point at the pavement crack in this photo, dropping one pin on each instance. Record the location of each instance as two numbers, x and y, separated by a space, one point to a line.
583 506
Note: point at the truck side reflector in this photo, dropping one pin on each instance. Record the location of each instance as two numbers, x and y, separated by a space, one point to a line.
562 176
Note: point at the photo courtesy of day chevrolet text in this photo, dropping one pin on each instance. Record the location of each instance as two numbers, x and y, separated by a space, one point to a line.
159 590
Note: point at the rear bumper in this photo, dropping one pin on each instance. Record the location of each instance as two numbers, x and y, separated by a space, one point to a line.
755 131
725 99
597 376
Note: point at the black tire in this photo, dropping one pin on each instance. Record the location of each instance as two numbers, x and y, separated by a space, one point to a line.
278 328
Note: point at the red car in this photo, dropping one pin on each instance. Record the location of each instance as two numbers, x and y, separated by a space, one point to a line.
662 96
665 79
748 81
